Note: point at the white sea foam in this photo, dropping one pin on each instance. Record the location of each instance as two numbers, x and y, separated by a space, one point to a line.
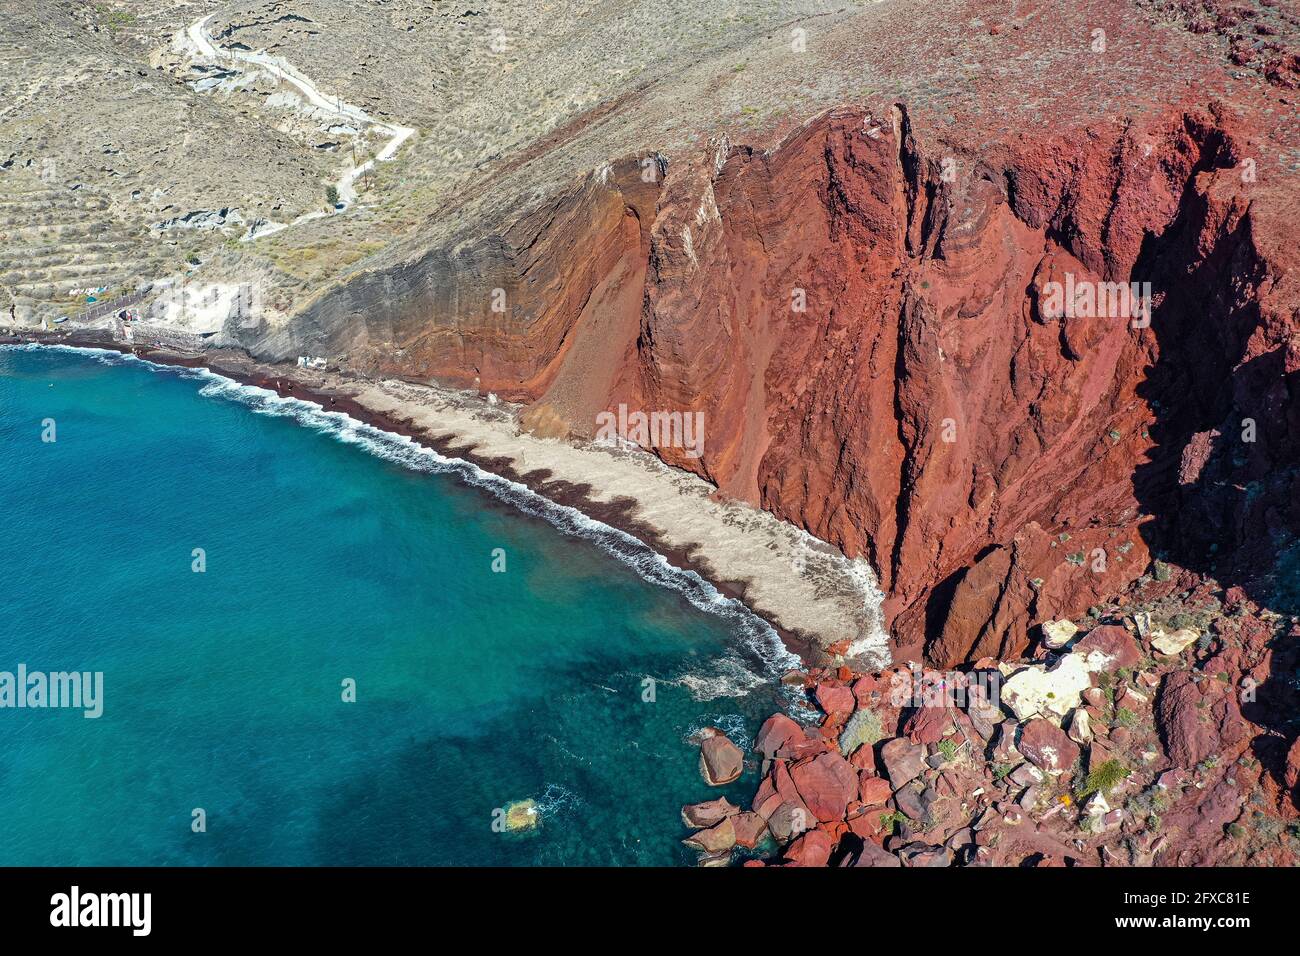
874 645
733 678
555 799
728 676
733 725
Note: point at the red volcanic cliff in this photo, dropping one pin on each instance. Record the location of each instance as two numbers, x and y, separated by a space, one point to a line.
864 314
870 314
859 315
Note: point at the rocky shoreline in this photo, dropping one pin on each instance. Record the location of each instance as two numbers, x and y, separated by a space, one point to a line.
1158 731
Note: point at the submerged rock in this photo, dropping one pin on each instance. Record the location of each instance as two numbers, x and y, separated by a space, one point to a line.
522 815
715 858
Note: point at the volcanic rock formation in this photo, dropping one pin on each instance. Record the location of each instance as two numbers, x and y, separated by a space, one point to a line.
865 316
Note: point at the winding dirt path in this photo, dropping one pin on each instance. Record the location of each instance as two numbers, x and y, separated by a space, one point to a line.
202 44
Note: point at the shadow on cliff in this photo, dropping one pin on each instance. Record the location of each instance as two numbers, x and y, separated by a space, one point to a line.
1219 489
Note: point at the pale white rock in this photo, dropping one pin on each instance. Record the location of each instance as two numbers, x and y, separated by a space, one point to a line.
1096 806
1037 691
1175 643
1056 634
1080 727
1026 775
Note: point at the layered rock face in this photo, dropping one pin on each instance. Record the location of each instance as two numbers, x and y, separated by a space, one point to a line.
871 321
510 312
996 462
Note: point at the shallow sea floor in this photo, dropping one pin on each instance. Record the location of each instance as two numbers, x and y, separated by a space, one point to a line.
333 554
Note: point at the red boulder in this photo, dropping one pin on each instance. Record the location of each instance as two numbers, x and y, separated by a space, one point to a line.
835 700
927 725
749 829
782 737
708 813
1047 746
873 791
811 849
1198 719
1109 646
826 784
720 760
864 758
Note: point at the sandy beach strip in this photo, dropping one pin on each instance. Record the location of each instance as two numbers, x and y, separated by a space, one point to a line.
808 590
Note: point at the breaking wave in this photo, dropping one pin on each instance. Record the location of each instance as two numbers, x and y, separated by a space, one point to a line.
733 725
762 648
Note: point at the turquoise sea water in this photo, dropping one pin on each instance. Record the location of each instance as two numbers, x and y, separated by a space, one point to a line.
332 552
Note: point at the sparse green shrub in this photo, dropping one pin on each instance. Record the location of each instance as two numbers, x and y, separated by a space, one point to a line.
1148 805
888 820
864 727
1103 779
